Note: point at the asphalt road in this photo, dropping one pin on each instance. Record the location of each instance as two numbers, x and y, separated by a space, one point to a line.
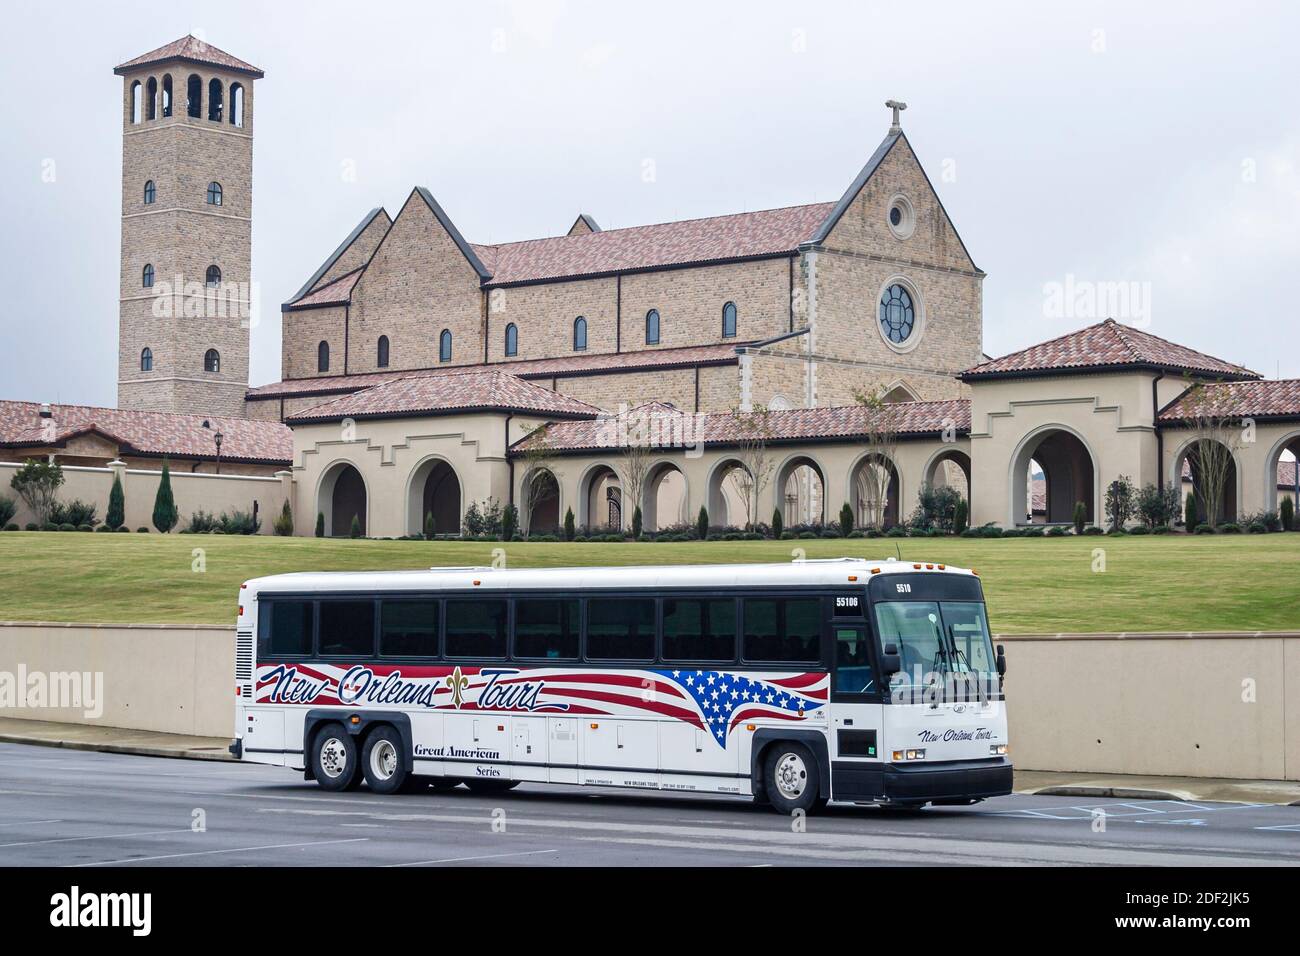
72 808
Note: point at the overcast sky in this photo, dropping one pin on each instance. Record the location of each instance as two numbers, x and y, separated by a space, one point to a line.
1151 144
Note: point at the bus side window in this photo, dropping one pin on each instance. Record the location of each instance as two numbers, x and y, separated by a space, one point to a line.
547 628
284 629
621 629
476 629
700 630
783 630
347 629
408 629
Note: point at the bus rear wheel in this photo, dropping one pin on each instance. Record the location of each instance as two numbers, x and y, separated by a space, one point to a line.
382 761
334 758
791 779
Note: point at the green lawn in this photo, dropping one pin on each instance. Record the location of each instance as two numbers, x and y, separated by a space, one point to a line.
1233 582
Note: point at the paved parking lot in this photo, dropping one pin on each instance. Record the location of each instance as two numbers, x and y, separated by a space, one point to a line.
72 808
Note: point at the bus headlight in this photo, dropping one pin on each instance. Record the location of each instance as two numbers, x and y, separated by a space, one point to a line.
916 755
998 750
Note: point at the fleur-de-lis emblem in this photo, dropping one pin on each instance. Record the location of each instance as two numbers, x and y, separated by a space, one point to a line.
458 683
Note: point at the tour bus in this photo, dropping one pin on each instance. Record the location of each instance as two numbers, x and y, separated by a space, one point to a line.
868 682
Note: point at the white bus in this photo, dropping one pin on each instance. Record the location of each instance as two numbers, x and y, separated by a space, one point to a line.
848 680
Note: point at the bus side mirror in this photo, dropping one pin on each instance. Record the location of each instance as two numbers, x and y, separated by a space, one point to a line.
1002 661
890 662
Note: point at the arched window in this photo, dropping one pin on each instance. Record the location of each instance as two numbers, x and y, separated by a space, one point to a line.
237 104
729 320
381 359
211 361
444 346
323 357
194 96
215 100
146 278
151 93
213 278
214 194
579 334
652 327
167 96
150 193
146 360
512 339
136 95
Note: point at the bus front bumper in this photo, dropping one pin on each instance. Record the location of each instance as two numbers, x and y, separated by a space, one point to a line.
921 782
236 748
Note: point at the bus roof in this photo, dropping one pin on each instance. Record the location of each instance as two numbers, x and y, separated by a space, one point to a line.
829 572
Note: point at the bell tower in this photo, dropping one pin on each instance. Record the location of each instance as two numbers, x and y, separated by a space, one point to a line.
187 206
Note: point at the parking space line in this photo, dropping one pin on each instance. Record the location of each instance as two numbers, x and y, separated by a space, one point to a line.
466 859
235 849
102 836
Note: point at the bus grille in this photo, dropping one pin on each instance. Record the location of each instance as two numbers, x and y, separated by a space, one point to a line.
244 663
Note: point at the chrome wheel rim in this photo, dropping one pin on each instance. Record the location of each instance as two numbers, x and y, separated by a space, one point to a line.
383 760
791 776
333 758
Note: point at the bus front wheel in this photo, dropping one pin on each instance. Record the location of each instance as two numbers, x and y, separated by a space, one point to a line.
334 757
791 779
382 761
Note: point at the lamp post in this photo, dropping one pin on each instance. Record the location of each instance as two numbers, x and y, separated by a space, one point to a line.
217 438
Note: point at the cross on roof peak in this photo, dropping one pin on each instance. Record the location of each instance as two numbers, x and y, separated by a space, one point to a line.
897 106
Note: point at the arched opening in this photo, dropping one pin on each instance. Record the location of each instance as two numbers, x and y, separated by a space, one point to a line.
899 392
214 194
342 496
323 357
194 96
146 275
167 96
1067 472
211 361
730 501
216 101
601 505
1208 470
444 346
150 193
381 352
652 327
801 492
729 320
434 490
237 104
512 339
950 469
579 334
541 502
1282 473
875 488
137 95
146 360
213 277
151 94
665 498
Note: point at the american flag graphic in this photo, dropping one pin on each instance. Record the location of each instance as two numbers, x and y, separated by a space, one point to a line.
726 699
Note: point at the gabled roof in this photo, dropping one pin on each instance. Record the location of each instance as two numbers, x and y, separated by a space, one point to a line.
721 429
470 252
1103 347
146 433
334 256
191 50
338 292
469 390
567 366
1279 398
588 221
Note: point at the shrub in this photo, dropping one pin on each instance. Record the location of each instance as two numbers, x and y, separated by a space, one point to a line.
85 527
1204 529
164 505
1287 514
65 526
1037 531
141 530
1155 505
1190 514
509 522
355 530
1080 516
1119 502
569 525
75 512
483 519
960 516
636 524
1257 527
239 522
846 520
1092 529
13 527
807 534
430 526
972 533
1139 529
49 526
936 507
897 531
990 531
1058 531
116 515
788 536
1161 529
1230 527
702 523
283 525
37 483
778 523
857 534
8 508
320 524
202 523
32 526
1012 533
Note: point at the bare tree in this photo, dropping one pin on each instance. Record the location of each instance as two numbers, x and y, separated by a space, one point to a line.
1215 442
877 472
753 431
636 447
541 482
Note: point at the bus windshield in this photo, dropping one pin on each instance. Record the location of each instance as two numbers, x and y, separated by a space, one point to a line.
938 641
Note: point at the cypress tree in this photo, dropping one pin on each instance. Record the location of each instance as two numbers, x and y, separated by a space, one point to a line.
846 520
570 528
116 515
356 527
164 505
430 526
702 523
778 523
320 524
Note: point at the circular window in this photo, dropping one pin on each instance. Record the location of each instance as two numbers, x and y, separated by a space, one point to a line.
902 218
897 314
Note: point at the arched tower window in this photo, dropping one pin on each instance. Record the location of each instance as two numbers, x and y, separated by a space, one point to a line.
213 277
214 194
579 334
216 101
150 193
194 96
381 359
237 104
444 346
146 360
512 339
137 94
146 277
652 327
729 320
167 96
323 357
151 94
211 361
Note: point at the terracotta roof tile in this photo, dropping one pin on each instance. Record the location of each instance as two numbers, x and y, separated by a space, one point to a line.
722 428
466 390
1278 398
338 292
1107 344
147 433
195 51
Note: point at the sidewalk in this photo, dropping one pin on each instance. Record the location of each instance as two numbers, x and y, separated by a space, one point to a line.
1037 782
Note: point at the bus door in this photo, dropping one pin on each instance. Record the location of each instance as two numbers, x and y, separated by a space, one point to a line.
856 709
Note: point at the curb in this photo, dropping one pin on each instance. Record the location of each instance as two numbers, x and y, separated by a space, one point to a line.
191 754
1124 793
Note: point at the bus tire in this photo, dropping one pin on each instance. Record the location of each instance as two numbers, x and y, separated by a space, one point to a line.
791 779
382 760
334 757
493 785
